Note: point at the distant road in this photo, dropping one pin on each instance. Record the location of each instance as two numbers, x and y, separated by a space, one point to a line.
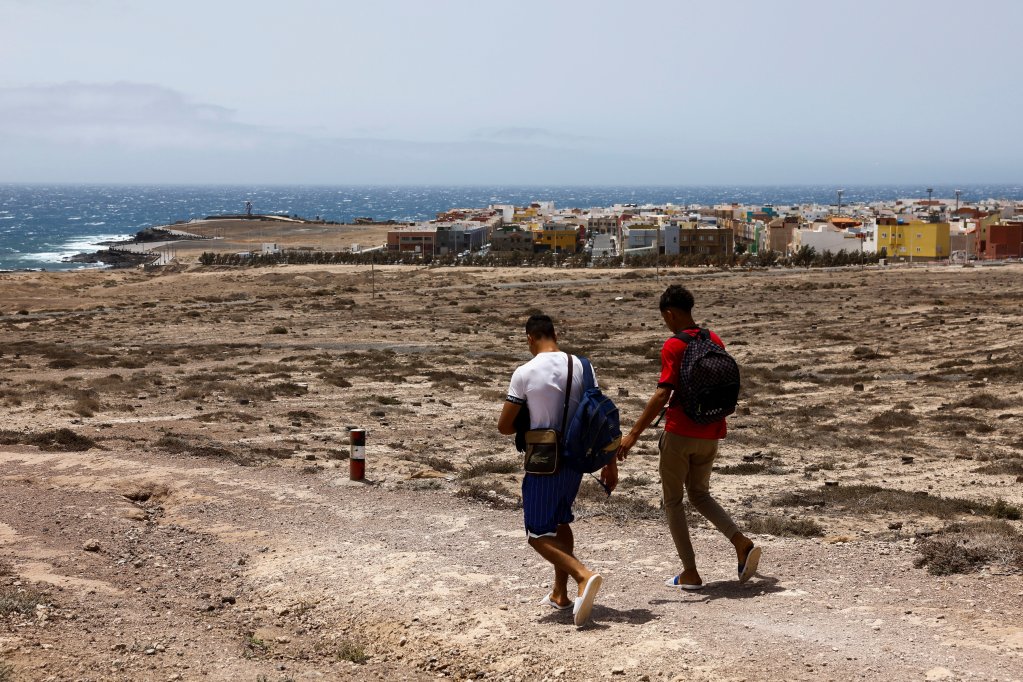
602 246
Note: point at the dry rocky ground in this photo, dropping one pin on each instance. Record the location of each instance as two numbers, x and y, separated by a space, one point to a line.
175 501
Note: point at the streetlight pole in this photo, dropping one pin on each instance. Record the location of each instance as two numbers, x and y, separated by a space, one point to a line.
840 201
930 208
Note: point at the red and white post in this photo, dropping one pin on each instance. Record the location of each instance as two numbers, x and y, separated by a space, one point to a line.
357 458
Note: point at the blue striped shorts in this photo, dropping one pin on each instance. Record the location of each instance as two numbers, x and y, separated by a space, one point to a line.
547 500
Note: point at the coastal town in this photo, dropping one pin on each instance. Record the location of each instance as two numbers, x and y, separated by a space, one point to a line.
922 229
931 230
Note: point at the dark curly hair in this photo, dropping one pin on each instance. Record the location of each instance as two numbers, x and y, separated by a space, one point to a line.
677 296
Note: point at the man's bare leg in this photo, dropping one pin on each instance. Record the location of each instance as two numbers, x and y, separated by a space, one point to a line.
566 539
554 550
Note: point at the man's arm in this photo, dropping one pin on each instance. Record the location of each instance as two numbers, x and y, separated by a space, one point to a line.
653 407
506 422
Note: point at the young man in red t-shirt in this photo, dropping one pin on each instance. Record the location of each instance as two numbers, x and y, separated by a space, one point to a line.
687 451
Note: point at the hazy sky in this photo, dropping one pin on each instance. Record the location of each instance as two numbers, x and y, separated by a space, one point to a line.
526 92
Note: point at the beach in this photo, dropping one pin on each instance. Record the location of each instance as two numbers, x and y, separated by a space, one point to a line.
177 503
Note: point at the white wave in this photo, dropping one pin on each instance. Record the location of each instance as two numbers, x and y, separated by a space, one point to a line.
7 217
75 245
102 222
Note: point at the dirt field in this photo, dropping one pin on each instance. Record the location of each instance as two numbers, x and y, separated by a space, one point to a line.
233 236
176 506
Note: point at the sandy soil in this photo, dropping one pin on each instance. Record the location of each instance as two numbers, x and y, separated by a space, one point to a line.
210 530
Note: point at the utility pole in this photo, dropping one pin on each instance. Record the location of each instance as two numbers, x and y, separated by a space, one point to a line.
930 208
840 201
657 252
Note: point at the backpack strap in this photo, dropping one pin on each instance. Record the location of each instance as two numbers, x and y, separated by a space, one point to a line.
589 381
687 336
568 394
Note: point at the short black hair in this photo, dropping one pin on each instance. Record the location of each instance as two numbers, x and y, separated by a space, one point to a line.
540 327
677 296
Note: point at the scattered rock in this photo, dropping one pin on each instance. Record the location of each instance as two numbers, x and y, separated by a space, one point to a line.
91 545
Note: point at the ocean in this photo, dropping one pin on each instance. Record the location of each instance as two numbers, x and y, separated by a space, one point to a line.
41 224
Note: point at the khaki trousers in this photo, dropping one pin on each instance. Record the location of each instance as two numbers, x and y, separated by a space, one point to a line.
686 464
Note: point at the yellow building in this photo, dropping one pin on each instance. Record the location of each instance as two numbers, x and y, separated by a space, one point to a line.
562 239
522 215
915 240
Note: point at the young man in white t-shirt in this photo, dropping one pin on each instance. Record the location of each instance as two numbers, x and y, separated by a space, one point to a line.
547 498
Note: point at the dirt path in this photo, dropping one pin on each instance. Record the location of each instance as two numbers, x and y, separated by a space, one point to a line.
229 572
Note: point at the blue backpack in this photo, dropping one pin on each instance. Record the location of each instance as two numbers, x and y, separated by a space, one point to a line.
593 434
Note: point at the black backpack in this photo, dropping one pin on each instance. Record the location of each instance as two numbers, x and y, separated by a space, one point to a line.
708 387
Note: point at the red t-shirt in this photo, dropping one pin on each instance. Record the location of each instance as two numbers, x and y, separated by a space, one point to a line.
676 420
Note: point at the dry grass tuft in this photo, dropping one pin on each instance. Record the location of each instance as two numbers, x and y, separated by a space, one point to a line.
490 466
58 440
985 401
494 496
872 498
1012 467
21 600
748 468
784 526
966 547
893 419
352 651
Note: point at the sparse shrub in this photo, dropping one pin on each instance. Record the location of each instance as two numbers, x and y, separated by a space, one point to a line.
64 440
985 401
1001 509
490 466
893 419
634 481
334 378
21 600
6 672
496 496
86 406
621 508
278 330
872 498
784 526
1013 467
387 400
439 463
747 468
352 652
472 309
966 547
303 415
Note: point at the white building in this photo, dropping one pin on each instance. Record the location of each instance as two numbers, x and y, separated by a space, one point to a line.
821 237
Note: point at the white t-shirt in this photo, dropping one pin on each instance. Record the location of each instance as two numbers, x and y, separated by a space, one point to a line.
540 383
